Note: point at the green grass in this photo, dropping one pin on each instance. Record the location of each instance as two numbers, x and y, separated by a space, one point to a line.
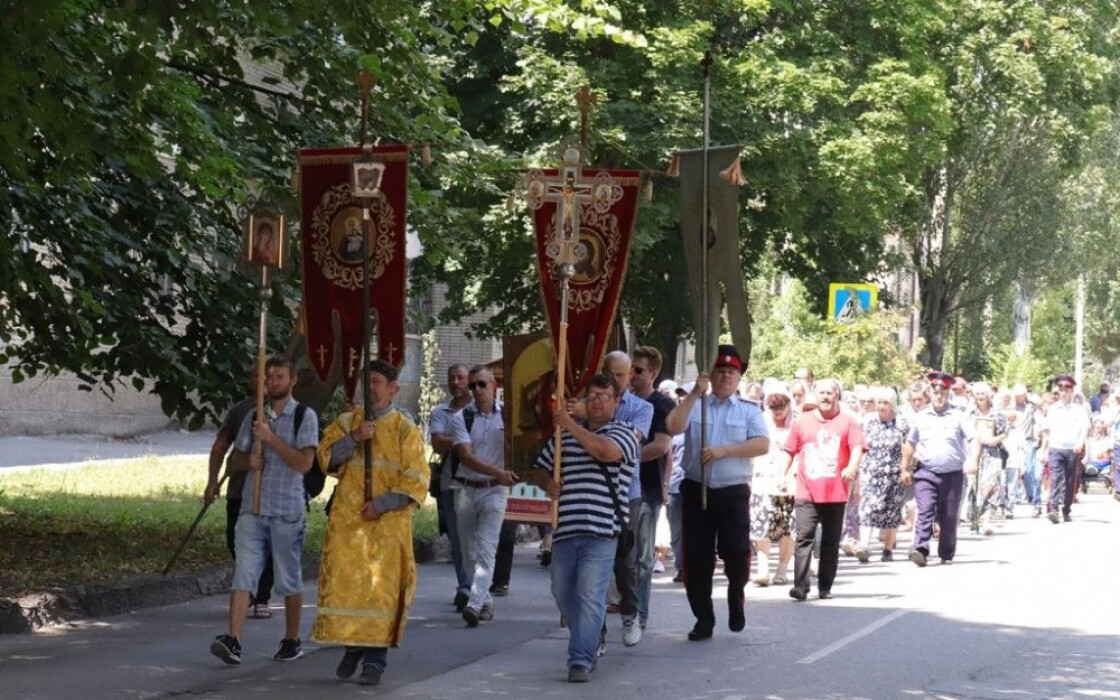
114 520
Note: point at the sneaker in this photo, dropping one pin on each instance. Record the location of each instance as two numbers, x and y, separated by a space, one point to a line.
471 616
460 601
918 557
1053 517
602 648
579 674
371 675
658 567
348 665
486 614
260 611
946 562
226 648
290 650
499 589
888 555
631 630
863 555
825 595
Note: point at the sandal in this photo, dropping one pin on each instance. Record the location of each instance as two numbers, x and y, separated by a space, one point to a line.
262 612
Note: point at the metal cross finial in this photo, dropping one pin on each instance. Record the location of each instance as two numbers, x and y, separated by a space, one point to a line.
365 84
584 98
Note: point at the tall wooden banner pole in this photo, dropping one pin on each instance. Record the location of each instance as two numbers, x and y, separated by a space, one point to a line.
365 84
701 356
262 350
566 272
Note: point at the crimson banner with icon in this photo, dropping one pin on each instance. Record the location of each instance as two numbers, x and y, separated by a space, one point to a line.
600 271
332 257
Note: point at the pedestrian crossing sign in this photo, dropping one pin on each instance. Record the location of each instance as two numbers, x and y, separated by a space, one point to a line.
846 300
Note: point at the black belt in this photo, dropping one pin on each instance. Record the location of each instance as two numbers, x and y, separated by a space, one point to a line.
480 484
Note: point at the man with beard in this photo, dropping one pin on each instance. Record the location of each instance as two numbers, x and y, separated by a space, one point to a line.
736 432
277 532
442 444
941 443
829 445
368 574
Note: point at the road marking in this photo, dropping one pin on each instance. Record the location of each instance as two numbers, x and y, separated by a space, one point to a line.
840 644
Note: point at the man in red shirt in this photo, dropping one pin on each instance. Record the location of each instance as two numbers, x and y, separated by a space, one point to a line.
828 445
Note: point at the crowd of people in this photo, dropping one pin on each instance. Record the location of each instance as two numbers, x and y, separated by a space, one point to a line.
755 475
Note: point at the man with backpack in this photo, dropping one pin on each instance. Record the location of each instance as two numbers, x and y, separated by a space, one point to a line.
277 532
223 444
442 484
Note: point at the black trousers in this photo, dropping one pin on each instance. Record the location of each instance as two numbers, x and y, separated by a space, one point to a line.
726 523
503 556
264 585
806 516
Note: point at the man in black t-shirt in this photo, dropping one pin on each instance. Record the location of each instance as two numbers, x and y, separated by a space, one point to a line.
654 471
223 441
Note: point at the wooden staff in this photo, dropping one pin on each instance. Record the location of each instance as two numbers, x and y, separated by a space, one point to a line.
566 272
701 355
262 349
365 84
191 529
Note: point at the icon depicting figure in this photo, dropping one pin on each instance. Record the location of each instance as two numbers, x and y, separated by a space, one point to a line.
265 249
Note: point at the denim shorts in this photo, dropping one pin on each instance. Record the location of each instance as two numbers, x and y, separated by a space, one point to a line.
259 536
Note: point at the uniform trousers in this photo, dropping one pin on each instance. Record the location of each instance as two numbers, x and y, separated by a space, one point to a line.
726 521
1063 481
938 498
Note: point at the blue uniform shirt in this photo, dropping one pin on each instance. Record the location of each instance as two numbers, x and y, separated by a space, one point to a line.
638 413
732 421
941 439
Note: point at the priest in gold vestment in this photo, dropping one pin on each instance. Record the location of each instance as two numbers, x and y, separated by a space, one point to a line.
368 575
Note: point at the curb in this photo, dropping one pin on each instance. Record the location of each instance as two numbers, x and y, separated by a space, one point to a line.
32 612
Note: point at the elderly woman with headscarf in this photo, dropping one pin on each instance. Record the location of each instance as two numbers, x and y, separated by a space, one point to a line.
772 506
881 490
991 429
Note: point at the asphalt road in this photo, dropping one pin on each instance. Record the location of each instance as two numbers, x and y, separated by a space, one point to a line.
1032 612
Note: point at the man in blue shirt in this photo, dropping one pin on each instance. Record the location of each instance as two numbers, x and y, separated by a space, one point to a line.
736 432
942 444
279 529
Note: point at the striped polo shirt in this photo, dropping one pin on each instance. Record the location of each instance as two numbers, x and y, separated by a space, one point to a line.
585 507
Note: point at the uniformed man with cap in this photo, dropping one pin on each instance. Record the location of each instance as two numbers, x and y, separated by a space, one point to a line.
1067 423
941 447
735 433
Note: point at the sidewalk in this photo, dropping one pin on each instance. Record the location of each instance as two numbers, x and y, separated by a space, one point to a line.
51 451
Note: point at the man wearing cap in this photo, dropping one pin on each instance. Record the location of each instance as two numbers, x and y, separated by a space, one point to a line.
942 441
1067 425
735 433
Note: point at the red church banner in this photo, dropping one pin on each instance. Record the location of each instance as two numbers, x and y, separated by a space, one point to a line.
332 257
606 219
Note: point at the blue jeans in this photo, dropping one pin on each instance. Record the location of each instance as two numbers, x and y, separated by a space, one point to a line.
377 657
675 512
581 571
1032 476
645 536
446 506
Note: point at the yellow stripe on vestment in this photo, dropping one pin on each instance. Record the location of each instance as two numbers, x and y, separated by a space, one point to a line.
352 612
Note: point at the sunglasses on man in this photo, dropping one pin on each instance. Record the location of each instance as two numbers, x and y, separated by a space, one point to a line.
477 385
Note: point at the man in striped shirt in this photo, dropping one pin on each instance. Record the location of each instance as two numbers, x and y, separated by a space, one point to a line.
596 468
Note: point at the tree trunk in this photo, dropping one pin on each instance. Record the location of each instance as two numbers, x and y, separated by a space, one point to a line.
1021 319
933 318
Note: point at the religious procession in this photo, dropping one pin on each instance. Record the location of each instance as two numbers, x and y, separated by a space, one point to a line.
764 333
